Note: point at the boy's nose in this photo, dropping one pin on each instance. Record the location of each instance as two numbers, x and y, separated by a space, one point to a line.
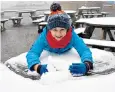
58 34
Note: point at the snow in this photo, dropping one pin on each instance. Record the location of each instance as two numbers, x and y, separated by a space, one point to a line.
99 42
98 21
80 30
61 80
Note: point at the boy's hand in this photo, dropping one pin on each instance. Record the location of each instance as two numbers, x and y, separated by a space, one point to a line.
80 68
41 68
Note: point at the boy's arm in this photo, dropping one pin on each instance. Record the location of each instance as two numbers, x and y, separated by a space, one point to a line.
82 49
35 52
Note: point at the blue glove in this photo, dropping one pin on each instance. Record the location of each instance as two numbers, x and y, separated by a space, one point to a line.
78 69
42 69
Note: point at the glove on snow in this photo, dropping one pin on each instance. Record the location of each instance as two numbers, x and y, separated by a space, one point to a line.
81 68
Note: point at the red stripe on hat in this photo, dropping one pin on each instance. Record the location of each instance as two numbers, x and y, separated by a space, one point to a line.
56 12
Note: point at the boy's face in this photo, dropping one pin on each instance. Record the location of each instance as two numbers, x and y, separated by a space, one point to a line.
58 33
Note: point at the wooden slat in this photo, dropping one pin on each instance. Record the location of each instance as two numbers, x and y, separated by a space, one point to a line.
103 43
16 18
43 23
38 20
3 20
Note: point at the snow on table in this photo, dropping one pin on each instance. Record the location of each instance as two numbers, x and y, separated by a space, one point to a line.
60 81
11 82
99 42
102 21
89 8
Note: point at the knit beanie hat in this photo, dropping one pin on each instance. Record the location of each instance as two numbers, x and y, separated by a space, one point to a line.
58 18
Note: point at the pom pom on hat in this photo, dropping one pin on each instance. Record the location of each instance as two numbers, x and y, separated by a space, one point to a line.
55 7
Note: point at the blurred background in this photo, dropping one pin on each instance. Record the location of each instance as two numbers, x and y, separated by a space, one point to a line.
17 40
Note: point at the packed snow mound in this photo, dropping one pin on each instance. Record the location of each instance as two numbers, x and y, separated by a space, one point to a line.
104 63
11 82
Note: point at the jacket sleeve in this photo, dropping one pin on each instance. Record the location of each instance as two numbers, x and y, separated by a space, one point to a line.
82 49
35 52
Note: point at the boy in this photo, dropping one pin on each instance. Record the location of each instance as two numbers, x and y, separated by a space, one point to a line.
58 36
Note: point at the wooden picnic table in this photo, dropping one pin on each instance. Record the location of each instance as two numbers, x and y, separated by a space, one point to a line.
106 23
71 13
10 11
5 11
87 10
32 12
101 44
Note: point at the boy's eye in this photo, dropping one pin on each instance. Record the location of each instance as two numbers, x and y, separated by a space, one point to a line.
62 29
55 30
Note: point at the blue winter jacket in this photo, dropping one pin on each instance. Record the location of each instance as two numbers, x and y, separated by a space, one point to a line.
42 44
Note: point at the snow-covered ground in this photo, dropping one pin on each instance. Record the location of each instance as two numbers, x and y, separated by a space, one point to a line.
102 80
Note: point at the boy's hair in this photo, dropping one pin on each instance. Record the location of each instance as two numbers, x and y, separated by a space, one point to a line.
58 18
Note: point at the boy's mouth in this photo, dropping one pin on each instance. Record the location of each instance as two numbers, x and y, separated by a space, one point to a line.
59 38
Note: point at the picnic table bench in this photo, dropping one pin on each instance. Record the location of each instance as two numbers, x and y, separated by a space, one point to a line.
80 31
107 5
16 21
41 25
36 17
92 15
100 43
104 14
38 20
3 24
